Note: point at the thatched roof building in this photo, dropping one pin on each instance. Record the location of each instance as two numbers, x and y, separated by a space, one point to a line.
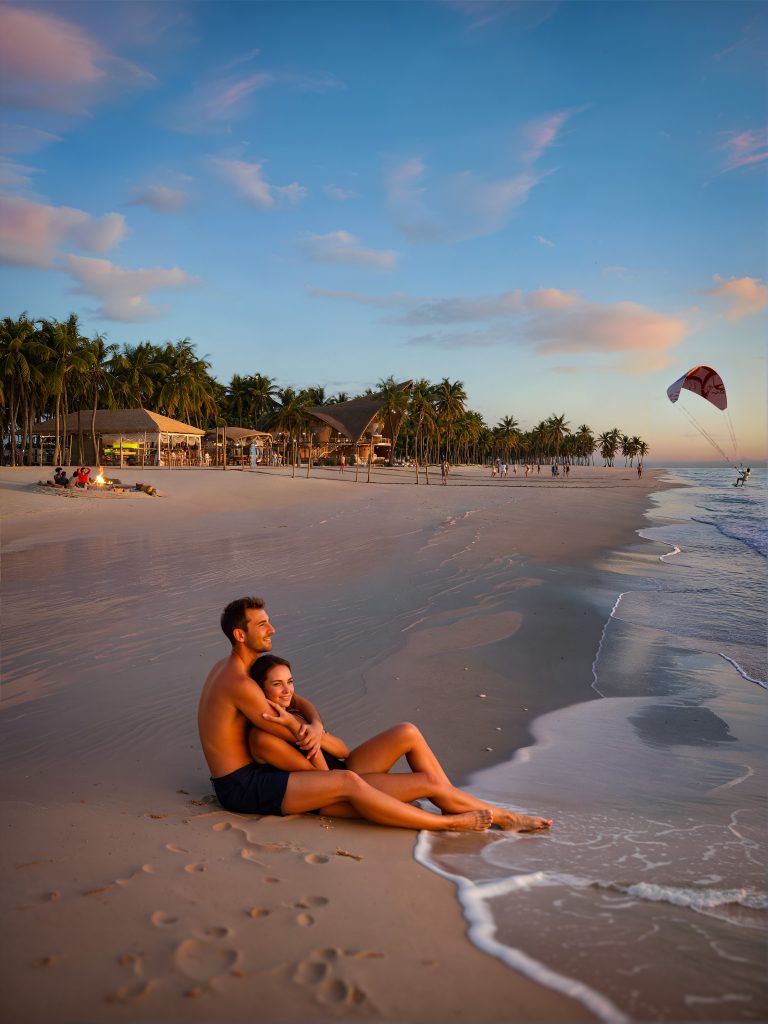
125 422
358 419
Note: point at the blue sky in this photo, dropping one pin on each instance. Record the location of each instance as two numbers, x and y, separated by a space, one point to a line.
560 204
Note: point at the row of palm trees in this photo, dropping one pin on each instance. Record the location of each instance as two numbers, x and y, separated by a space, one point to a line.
48 368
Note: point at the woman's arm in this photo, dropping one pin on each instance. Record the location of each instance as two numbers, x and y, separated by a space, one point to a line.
311 733
333 745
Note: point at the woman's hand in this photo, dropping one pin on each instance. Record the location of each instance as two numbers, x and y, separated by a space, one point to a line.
310 737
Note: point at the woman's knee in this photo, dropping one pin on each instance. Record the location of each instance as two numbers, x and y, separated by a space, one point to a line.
349 782
408 732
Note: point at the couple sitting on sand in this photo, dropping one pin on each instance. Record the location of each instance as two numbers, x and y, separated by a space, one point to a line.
268 752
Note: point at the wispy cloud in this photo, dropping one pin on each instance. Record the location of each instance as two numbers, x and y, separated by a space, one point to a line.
461 206
160 198
123 293
745 295
343 195
544 241
524 14
490 338
250 183
343 247
50 63
216 104
459 310
745 148
32 234
429 208
395 300
23 138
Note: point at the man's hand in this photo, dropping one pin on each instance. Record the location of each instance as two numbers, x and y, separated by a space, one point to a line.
310 737
283 717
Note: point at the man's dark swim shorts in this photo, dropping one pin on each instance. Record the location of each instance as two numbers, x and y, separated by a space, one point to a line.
252 789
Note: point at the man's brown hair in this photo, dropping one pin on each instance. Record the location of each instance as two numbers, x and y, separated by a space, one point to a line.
233 617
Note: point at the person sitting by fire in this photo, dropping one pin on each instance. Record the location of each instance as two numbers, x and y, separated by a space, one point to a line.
61 477
82 476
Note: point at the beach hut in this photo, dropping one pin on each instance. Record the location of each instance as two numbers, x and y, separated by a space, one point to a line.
242 445
357 428
124 437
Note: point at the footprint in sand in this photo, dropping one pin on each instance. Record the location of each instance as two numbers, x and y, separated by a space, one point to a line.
255 912
222 826
310 972
271 880
132 993
175 849
248 854
334 992
305 920
214 932
316 858
311 901
204 961
160 919
194 868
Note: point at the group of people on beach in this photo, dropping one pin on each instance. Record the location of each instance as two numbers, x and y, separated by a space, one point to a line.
79 478
269 753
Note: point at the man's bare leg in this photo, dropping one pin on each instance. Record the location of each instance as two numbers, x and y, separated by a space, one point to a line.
379 754
323 791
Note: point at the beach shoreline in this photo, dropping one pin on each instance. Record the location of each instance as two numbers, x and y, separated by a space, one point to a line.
444 606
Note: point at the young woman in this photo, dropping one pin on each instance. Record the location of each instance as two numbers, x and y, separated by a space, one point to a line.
372 760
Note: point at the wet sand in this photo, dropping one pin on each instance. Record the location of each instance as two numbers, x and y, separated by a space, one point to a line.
130 895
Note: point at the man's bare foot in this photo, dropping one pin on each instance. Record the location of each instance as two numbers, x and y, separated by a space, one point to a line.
511 822
470 821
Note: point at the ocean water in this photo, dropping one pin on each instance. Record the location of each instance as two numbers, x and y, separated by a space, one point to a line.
649 898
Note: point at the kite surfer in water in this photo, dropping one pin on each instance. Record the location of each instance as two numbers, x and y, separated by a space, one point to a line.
743 476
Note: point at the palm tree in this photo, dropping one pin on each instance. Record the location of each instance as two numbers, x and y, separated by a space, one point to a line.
21 354
68 357
423 411
188 390
290 414
101 380
395 403
449 399
140 373
507 431
585 442
556 429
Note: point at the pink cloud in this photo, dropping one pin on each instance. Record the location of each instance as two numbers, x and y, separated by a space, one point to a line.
622 327
746 148
123 293
51 63
249 181
745 295
343 247
543 133
31 233
551 298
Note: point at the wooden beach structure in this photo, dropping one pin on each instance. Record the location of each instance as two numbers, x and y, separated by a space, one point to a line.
124 437
237 446
359 430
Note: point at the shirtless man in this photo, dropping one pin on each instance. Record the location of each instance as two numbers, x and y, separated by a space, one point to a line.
230 702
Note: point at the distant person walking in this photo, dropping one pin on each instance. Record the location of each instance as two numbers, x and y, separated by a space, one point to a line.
444 472
342 465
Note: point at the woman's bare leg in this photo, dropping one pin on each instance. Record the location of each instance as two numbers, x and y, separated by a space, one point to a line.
377 756
310 791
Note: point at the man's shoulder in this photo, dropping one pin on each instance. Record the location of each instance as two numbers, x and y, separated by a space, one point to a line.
227 674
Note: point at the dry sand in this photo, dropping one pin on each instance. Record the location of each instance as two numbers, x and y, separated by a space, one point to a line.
129 894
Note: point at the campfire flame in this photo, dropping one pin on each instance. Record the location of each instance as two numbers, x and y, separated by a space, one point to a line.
99 478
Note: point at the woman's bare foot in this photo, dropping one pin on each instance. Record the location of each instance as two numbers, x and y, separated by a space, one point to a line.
470 821
511 822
